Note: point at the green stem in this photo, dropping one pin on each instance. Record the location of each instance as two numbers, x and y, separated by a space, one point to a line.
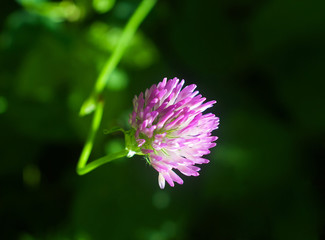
95 103
91 137
94 164
83 167
127 34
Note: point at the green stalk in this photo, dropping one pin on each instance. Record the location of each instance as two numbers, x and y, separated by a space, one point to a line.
127 34
94 103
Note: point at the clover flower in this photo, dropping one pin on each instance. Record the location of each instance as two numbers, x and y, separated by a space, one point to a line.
171 129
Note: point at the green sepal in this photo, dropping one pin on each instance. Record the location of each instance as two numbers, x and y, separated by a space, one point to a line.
131 144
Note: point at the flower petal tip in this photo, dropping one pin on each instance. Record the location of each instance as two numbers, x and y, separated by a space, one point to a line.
161 181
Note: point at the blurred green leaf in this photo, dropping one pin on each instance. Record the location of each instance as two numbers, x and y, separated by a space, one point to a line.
141 52
88 106
56 11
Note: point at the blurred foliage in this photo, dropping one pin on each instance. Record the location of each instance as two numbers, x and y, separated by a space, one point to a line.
262 61
103 6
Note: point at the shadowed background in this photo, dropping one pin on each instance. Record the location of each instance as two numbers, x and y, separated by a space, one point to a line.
263 61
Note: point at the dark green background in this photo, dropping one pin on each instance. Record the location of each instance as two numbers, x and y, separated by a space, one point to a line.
263 61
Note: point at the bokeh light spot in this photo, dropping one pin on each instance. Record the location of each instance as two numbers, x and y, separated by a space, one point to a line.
26 236
103 6
157 236
82 236
3 105
161 200
114 146
169 228
118 81
31 176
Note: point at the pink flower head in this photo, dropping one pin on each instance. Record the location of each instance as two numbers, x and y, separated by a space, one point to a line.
172 130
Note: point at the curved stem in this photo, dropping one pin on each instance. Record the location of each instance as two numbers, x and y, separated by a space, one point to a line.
83 167
94 103
94 164
91 137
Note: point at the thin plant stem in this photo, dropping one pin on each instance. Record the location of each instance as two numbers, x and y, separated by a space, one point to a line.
94 164
91 137
127 34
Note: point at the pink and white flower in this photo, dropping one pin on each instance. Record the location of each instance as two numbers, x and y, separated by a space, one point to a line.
171 129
